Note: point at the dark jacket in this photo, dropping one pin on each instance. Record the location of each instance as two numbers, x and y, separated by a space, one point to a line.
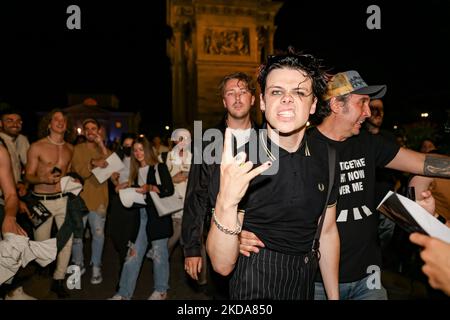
197 204
73 223
159 227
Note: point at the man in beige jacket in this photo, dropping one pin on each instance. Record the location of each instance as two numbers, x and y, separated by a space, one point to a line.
87 156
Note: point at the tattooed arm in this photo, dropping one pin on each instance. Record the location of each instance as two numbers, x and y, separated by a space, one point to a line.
436 166
431 165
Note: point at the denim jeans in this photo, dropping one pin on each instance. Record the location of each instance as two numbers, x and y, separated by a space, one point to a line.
161 268
97 225
357 290
133 261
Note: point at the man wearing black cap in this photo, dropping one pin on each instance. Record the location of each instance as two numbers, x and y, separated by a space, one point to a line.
345 108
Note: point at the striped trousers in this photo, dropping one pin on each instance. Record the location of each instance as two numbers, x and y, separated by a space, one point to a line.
271 275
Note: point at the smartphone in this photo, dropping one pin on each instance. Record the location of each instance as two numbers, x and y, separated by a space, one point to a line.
56 170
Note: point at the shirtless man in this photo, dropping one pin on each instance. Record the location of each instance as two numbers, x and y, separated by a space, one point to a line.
48 160
8 210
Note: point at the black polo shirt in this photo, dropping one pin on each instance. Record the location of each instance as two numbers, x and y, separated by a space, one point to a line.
283 209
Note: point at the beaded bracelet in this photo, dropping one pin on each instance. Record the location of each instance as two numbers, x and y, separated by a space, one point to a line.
225 229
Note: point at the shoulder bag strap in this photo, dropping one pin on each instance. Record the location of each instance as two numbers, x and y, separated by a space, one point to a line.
331 174
157 177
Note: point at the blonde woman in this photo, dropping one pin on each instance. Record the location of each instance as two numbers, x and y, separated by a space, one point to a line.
151 228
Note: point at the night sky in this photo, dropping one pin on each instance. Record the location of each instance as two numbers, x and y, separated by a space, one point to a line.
121 49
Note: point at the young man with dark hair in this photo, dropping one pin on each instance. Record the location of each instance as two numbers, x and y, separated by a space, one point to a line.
345 109
282 207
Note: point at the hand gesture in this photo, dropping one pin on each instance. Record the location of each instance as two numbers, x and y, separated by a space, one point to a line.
236 174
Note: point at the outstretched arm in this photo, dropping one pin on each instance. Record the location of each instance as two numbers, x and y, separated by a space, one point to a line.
430 165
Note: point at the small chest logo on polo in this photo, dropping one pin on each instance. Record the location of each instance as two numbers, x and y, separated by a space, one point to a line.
321 186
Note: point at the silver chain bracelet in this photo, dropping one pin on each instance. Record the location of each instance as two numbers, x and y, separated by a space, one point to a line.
225 229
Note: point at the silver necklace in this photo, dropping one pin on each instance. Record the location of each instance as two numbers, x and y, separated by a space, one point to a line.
55 143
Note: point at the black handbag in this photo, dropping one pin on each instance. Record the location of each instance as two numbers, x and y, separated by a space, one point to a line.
311 259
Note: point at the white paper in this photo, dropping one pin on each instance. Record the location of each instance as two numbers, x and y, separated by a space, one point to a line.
128 196
427 221
114 165
68 184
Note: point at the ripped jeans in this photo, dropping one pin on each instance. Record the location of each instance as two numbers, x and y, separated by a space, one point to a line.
135 256
97 225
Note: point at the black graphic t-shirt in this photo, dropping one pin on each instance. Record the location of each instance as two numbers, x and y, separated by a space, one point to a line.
357 217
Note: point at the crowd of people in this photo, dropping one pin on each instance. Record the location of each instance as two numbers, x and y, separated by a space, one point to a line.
287 213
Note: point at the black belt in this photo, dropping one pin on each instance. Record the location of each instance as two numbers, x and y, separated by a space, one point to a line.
49 196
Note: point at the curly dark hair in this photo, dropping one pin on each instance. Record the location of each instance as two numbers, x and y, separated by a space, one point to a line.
69 136
293 59
241 76
6 108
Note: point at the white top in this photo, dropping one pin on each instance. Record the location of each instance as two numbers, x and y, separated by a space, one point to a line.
242 136
175 164
143 172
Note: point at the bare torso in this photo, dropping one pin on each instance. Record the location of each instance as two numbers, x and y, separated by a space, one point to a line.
44 157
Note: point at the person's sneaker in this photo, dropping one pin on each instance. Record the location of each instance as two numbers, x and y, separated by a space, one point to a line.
118 297
96 275
18 294
59 288
156 295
